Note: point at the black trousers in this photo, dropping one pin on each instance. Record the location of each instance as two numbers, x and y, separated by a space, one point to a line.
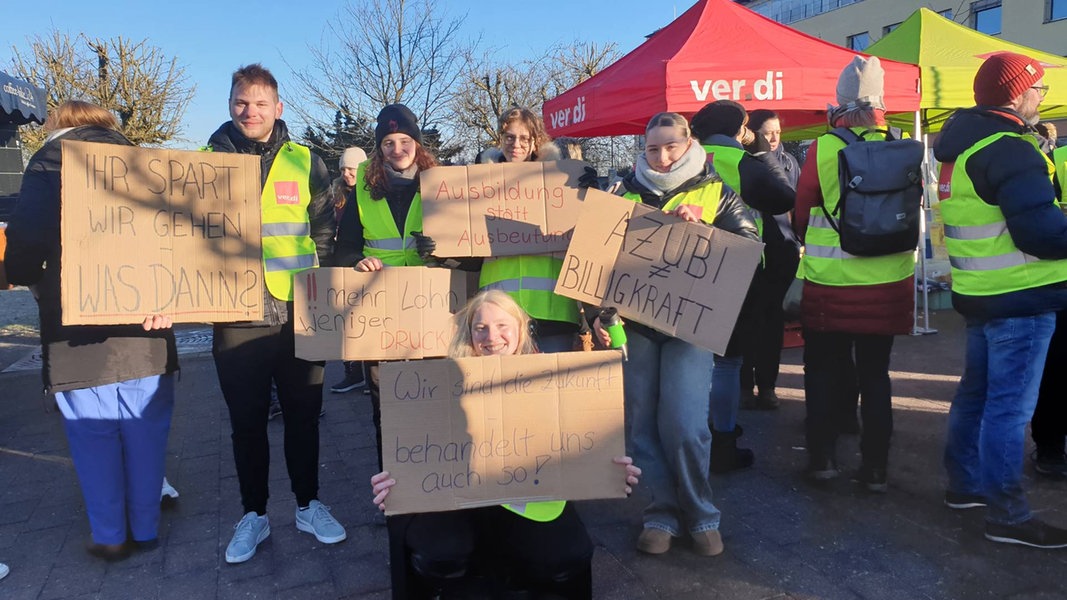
247 360
827 391
764 353
539 555
370 373
1049 423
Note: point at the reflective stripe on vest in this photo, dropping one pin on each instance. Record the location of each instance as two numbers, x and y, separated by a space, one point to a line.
985 260
542 512
530 280
380 235
286 230
824 262
706 197
725 161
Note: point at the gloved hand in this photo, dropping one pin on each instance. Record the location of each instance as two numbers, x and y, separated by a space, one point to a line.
424 245
589 179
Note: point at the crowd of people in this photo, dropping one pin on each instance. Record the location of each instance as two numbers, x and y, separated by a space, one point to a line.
727 168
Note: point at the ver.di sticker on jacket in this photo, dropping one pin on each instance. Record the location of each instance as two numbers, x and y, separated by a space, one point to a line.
286 192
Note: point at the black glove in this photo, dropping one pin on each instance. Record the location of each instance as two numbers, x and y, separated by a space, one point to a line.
424 245
589 179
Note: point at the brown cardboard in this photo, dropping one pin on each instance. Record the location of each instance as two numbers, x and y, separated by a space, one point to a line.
687 280
395 313
501 209
484 431
159 231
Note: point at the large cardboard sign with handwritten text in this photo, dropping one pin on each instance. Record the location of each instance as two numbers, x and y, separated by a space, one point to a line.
687 280
395 313
502 429
159 231
501 209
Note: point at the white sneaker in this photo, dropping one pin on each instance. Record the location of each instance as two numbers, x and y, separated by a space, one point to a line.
316 519
4 570
168 490
248 533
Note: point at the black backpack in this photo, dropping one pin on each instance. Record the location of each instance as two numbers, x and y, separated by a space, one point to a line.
881 193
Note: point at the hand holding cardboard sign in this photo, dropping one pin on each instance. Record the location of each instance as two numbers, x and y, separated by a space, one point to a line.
424 245
371 263
381 483
688 213
157 322
632 472
589 178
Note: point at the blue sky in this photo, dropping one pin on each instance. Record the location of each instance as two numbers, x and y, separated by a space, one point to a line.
213 38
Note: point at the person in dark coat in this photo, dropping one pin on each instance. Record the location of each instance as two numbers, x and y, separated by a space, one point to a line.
114 384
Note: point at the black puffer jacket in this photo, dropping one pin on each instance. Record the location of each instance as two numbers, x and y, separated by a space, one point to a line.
75 356
1010 174
320 210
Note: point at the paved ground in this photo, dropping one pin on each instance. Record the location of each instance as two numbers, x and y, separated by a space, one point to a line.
784 539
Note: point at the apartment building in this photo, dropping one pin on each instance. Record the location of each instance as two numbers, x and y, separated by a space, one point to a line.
856 24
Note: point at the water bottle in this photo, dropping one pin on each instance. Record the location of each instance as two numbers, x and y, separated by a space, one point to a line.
610 321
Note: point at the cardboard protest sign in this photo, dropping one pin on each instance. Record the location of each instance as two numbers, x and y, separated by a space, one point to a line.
501 209
687 280
502 429
395 313
159 231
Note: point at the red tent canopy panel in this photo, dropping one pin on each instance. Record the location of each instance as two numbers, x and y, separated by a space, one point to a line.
718 50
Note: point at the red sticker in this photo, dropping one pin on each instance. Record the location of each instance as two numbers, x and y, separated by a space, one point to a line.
944 182
286 192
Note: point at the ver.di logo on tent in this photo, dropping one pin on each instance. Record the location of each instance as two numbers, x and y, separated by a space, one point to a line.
768 88
568 116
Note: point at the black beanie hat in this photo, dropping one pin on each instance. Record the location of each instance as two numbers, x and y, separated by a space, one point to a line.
396 118
722 116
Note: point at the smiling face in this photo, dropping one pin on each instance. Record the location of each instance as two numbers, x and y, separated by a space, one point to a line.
494 331
517 143
348 174
398 149
254 109
664 146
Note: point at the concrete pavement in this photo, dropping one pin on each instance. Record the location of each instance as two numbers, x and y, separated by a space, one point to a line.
784 538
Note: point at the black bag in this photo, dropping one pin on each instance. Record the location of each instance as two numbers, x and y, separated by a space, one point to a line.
881 193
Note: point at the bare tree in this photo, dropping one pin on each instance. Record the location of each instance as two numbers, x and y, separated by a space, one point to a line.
146 90
489 88
379 52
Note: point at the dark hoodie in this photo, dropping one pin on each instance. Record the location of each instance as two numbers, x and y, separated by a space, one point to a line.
227 138
1012 175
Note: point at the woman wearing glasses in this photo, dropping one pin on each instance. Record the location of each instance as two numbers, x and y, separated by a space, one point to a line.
530 279
666 379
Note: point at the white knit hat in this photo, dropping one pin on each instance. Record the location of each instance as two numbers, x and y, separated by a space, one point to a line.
351 157
862 82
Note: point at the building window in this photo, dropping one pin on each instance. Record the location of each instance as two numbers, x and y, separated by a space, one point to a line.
947 13
986 16
1057 9
859 41
889 28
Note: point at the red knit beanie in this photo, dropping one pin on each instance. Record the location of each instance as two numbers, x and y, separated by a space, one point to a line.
1004 76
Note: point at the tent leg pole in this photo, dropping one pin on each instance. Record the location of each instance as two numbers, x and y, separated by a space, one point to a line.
925 329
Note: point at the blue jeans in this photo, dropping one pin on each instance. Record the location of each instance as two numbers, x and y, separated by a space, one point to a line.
994 401
666 383
725 397
118 442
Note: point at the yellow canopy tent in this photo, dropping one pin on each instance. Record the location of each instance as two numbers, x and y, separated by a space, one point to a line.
948 55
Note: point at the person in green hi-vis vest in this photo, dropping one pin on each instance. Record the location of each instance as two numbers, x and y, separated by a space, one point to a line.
297 233
667 379
543 546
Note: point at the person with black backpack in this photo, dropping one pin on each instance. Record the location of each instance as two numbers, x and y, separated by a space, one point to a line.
852 304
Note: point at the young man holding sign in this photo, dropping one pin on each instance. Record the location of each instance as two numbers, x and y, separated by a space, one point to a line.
298 230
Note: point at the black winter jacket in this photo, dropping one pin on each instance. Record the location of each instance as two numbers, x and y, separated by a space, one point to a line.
1011 174
75 356
227 138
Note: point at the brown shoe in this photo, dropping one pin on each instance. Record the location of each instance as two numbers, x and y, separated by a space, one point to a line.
707 543
109 552
654 541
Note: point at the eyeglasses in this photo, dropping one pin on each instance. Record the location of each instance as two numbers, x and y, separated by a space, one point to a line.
521 139
1041 89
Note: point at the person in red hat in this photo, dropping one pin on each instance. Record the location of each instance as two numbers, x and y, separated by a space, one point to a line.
1007 242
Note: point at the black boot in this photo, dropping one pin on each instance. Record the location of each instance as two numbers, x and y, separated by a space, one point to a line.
725 455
